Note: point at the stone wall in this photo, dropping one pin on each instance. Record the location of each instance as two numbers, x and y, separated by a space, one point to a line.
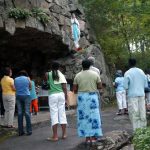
54 39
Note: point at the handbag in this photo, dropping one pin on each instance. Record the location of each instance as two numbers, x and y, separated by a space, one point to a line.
45 85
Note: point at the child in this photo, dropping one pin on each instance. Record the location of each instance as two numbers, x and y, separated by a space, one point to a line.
33 98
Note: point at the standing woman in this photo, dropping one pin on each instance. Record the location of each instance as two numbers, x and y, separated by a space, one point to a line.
86 85
23 85
120 93
8 95
57 99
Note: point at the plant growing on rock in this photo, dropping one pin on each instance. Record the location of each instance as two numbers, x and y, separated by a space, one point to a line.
40 15
141 139
22 14
19 13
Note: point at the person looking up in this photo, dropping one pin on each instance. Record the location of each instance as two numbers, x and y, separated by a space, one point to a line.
57 99
135 82
8 96
86 85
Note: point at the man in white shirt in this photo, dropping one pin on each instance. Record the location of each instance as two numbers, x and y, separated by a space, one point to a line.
92 60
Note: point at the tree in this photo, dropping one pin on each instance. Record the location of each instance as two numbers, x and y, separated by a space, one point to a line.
122 28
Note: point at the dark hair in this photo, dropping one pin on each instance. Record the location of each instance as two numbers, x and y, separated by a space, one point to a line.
86 64
132 62
7 71
23 73
55 67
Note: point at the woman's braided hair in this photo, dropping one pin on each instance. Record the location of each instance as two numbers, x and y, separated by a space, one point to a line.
55 67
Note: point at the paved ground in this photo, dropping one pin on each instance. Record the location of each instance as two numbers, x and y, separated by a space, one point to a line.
37 141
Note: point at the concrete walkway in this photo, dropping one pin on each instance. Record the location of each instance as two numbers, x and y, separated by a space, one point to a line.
41 117
42 130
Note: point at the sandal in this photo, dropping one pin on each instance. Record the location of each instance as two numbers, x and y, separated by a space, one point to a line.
64 137
52 139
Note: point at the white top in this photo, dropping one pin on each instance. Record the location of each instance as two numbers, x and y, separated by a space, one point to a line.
95 69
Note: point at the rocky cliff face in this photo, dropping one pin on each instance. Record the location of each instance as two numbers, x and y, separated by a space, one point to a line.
30 44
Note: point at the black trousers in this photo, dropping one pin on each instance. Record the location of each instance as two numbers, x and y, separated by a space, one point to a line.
1 105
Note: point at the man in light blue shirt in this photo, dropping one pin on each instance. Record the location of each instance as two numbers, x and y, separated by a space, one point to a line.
135 82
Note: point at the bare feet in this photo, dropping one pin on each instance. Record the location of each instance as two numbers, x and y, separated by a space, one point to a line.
64 136
52 139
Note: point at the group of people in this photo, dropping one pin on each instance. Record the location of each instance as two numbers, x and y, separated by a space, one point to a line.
20 91
133 84
87 85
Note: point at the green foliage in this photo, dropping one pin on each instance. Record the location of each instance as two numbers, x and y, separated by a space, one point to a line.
40 15
122 28
19 13
141 139
22 14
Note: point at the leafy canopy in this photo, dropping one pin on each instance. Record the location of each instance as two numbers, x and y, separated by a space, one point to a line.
122 28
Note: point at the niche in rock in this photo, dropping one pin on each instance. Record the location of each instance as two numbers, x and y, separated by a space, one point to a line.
30 49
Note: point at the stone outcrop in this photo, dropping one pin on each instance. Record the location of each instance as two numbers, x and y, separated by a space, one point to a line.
32 45
114 140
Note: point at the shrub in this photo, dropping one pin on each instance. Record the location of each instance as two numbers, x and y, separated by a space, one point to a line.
141 139
22 14
40 15
19 14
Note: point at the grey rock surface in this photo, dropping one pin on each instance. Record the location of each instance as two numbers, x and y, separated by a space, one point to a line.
51 41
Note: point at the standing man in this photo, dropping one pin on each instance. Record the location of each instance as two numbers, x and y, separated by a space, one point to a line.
135 82
86 85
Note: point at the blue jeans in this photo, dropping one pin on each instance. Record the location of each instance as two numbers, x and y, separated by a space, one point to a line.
23 104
